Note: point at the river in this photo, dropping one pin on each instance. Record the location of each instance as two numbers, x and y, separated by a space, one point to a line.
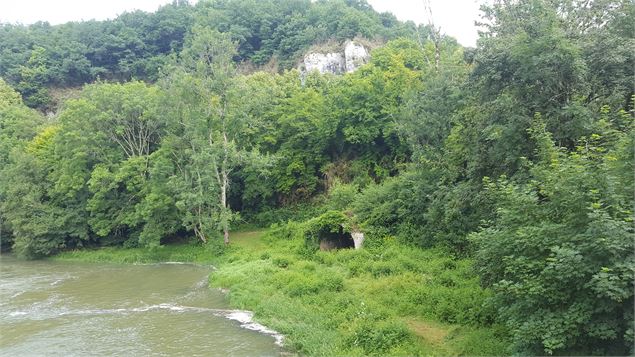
80 309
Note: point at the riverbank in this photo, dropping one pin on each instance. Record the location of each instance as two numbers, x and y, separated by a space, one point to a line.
388 300
182 253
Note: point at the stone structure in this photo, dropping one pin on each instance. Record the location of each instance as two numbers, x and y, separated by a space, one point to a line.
358 239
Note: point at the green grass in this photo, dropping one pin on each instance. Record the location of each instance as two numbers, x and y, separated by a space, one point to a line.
389 300
190 253
386 299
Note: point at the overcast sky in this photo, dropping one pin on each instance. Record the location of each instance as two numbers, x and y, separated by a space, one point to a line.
455 17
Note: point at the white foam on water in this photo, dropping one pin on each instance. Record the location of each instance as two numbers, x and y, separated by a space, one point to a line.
204 283
245 318
17 294
172 307
246 321
56 282
241 316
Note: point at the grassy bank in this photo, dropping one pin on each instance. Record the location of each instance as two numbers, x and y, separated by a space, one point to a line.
382 300
186 252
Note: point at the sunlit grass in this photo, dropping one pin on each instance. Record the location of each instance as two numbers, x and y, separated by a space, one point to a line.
187 253
393 301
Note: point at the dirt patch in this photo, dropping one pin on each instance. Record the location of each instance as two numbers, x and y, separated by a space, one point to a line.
430 332
248 240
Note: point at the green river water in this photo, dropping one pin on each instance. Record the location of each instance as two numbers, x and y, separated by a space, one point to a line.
80 309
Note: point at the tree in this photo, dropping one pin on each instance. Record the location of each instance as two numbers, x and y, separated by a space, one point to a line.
18 125
202 136
34 77
105 157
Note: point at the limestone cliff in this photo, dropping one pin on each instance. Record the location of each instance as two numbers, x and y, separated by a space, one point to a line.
353 56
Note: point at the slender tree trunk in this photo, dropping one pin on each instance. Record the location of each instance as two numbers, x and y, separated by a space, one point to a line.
199 233
223 199
437 51
224 187
436 35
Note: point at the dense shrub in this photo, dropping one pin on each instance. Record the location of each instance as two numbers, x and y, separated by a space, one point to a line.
560 255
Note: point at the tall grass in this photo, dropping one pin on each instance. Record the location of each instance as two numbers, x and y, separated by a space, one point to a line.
387 300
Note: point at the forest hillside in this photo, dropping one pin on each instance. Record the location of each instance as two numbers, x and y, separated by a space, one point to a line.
515 158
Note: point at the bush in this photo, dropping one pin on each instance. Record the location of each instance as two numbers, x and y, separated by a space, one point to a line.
559 256
280 215
295 283
281 262
377 338
341 196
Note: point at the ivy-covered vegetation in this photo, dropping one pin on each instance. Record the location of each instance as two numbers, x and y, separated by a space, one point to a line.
517 155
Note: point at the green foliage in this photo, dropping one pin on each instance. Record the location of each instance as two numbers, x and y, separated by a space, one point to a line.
8 95
204 132
341 196
377 339
518 153
134 45
125 195
330 224
139 44
18 123
292 212
39 225
23 181
559 254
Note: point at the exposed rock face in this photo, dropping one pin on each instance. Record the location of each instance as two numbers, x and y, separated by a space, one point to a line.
324 63
354 56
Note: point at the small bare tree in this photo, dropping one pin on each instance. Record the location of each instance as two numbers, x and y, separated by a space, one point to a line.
435 33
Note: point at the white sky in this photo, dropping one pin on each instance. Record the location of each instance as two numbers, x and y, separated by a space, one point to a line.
455 17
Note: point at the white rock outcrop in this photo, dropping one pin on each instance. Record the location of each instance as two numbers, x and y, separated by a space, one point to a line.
354 56
325 62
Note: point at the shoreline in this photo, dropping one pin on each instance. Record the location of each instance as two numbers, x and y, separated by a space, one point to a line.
404 301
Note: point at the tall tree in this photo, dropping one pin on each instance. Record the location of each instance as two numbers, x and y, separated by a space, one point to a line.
203 135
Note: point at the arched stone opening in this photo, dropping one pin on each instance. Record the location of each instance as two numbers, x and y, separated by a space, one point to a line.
335 240
332 230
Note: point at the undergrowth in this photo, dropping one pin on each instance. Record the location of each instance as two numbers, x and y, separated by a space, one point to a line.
387 299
